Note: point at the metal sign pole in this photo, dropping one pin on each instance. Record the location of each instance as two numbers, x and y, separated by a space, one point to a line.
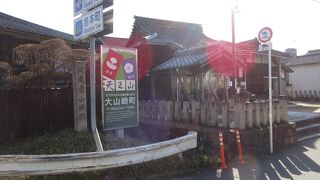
270 95
93 95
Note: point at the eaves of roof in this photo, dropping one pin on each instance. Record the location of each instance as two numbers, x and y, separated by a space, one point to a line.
12 24
201 56
179 35
303 60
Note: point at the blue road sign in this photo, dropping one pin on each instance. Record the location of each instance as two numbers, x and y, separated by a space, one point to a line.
88 24
80 6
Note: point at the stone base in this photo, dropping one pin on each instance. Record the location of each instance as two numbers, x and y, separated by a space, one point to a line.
253 141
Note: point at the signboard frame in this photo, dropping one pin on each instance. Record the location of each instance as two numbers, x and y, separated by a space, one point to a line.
83 35
260 33
91 5
105 49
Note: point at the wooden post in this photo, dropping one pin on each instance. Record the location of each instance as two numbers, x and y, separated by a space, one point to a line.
203 98
278 110
265 112
79 96
306 95
213 115
169 111
242 114
203 112
148 109
258 114
141 109
154 107
274 110
161 110
283 108
249 118
279 77
311 95
224 115
195 107
153 85
177 111
173 87
300 94
185 111
144 109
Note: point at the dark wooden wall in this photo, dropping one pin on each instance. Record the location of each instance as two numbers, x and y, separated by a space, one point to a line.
31 111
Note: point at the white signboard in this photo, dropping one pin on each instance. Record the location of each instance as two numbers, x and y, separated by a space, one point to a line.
82 5
264 47
89 24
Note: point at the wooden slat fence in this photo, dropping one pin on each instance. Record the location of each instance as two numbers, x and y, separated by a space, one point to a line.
30 111
246 115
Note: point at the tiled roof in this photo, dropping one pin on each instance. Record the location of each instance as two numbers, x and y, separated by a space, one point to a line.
275 53
203 55
113 41
10 23
313 52
179 35
302 60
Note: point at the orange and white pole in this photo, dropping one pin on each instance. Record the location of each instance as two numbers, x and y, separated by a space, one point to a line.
222 158
241 161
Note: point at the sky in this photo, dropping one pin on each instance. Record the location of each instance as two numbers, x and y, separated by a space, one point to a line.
295 23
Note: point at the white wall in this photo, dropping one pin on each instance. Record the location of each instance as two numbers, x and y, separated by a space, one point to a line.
305 77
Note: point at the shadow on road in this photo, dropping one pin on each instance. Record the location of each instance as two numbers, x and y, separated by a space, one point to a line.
287 163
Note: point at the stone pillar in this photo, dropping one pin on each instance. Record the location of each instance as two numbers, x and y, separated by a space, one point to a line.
283 108
79 96
239 113
258 114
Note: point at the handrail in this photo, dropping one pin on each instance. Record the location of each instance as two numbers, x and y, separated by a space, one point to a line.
16 165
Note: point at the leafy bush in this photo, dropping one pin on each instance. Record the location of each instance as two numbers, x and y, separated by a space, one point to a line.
69 141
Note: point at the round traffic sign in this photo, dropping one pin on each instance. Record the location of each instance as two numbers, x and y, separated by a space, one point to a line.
265 35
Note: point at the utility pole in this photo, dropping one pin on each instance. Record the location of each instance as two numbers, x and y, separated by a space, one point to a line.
234 51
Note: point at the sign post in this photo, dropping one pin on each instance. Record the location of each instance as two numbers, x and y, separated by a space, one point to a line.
264 36
119 88
87 25
93 95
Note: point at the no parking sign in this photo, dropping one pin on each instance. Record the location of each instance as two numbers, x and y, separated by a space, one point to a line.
265 35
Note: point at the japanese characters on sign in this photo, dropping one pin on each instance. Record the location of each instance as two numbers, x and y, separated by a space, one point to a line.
79 96
82 5
89 24
119 87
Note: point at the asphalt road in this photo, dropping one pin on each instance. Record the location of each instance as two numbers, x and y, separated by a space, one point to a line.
299 161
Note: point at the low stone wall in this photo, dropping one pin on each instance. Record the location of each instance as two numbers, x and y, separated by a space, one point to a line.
253 140
305 95
244 114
